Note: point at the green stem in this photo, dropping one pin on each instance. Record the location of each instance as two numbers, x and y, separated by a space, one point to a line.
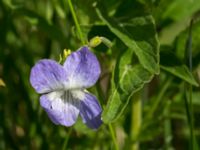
159 98
188 97
76 21
136 120
192 119
167 126
189 112
113 136
66 139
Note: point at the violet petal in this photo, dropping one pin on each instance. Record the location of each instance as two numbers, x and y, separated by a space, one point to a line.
90 111
47 75
82 68
61 107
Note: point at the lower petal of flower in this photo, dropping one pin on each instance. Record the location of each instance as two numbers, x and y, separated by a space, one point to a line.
61 107
90 111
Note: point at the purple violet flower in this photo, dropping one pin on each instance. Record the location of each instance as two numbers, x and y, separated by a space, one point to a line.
63 88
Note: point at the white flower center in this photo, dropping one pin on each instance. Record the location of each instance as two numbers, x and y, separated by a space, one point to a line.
67 95
78 94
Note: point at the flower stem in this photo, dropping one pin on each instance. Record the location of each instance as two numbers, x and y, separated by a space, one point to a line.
113 136
76 22
136 120
66 139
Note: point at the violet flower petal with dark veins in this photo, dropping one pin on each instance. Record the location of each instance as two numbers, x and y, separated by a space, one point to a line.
82 68
90 111
47 75
61 107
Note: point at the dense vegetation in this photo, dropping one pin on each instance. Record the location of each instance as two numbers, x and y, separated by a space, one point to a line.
149 84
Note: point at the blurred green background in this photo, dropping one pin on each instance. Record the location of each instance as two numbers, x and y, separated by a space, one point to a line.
31 30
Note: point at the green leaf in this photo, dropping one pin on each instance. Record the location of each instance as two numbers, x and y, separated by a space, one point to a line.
127 79
175 66
181 72
139 35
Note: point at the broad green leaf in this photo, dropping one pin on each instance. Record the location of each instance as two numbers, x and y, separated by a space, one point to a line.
137 34
127 79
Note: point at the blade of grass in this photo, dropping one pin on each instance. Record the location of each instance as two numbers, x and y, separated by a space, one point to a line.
76 22
188 94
